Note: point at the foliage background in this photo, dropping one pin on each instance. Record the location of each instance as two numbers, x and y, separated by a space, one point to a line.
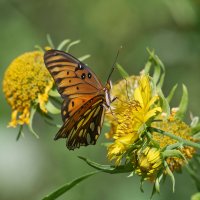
31 168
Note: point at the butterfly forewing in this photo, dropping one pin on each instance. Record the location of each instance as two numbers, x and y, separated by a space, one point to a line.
64 66
82 109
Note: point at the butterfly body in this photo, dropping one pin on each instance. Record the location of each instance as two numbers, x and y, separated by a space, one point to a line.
85 99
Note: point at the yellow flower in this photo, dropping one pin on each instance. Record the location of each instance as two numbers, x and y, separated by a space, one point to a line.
26 82
148 163
178 128
130 115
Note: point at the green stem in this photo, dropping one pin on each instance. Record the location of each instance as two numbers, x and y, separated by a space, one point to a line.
175 137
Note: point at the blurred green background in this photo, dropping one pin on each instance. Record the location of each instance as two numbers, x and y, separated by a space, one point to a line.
31 168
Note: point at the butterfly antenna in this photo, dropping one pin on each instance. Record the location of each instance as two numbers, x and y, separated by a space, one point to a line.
114 63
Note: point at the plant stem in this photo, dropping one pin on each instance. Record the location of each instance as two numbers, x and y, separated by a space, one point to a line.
175 137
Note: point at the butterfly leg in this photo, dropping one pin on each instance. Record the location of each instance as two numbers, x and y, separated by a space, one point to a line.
113 100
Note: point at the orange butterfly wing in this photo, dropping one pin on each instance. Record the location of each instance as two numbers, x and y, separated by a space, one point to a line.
82 110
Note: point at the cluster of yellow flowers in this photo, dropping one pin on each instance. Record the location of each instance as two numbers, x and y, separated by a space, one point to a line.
137 108
26 82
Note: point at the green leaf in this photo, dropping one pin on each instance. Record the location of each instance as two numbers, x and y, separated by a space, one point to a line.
51 108
156 188
159 68
164 103
171 94
82 58
195 129
60 191
141 185
72 44
49 40
194 122
157 185
197 136
62 44
147 67
173 153
156 74
39 48
160 83
183 104
108 168
121 70
20 132
171 175
54 93
30 125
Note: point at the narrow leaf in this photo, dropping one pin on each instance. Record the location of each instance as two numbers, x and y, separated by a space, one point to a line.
121 70
195 129
197 136
30 125
60 191
194 121
156 74
171 94
54 93
39 48
159 62
62 44
173 153
183 104
51 108
162 78
49 40
20 132
147 67
82 58
72 44
169 172
157 185
108 168
164 103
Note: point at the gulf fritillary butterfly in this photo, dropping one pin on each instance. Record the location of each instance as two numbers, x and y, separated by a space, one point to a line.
85 99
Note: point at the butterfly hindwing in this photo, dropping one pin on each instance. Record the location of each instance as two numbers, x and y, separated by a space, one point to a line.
84 127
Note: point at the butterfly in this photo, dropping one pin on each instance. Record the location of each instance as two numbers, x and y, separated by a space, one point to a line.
85 99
